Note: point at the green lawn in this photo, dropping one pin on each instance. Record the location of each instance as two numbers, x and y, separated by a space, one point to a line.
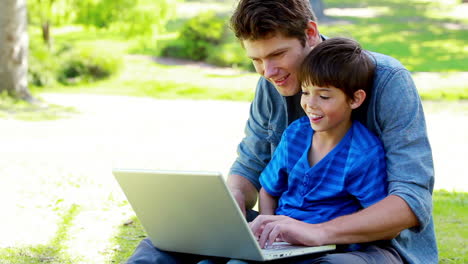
450 216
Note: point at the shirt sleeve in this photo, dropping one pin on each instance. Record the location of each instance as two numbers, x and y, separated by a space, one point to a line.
402 126
368 179
254 151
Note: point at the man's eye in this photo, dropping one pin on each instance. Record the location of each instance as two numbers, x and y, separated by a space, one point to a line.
277 54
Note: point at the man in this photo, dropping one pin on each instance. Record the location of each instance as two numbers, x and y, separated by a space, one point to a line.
277 35
270 32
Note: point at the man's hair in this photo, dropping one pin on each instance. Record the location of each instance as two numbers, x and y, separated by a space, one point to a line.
261 19
341 63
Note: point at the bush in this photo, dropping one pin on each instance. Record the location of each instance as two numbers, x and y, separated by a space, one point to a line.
207 37
43 64
198 36
230 55
87 64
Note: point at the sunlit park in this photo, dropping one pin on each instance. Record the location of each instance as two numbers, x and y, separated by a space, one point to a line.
164 84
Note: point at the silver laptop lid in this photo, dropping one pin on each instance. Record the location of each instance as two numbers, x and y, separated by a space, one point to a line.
190 212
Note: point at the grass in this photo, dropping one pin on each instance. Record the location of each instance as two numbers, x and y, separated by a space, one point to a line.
449 213
143 77
38 111
52 252
451 218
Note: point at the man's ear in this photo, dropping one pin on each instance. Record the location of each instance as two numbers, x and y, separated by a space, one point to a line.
312 34
359 97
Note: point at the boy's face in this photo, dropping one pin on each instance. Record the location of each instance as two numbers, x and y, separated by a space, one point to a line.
278 59
328 109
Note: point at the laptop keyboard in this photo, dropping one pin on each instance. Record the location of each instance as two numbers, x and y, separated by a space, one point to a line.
279 246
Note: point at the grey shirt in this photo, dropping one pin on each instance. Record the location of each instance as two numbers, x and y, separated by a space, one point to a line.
394 113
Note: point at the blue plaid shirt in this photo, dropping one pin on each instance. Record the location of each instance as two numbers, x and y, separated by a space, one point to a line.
350 177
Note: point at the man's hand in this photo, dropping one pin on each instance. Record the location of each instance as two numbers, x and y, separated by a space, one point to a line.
243 191
271 228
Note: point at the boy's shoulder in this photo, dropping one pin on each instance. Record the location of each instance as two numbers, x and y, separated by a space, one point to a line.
363 139
298 128
299 124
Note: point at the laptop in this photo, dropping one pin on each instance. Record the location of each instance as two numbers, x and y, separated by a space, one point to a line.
194 212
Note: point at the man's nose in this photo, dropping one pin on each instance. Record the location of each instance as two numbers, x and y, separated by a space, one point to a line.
269 69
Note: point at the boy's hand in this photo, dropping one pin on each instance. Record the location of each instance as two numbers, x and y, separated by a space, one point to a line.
270 228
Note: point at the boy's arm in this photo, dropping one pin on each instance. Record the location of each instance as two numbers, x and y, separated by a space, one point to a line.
267 203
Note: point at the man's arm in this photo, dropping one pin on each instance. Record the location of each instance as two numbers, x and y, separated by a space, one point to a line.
255 149
243 191
381 221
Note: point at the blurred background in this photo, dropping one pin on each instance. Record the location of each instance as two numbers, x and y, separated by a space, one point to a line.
89 85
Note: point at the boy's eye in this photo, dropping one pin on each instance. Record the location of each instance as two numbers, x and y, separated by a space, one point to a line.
304 93
324 97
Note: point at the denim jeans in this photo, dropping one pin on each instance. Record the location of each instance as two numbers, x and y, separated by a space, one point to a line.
146 253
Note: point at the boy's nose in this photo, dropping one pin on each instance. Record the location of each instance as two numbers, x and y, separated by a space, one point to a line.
311 102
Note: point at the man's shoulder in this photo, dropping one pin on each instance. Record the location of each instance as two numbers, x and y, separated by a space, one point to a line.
386 67
263 85
266 94
385 61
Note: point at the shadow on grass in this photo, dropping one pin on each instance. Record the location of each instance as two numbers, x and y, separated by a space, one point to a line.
53 252
126 240
408 32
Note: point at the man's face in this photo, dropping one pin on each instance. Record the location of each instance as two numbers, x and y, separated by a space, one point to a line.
278 59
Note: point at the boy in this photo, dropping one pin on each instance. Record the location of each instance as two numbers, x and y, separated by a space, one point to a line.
326 164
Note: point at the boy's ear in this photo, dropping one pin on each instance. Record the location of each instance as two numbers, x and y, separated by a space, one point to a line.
359 97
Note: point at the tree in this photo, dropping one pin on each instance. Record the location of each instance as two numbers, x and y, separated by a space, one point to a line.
14 44
318 7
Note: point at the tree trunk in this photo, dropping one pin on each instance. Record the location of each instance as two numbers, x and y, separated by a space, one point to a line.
46 34
14 44
318 7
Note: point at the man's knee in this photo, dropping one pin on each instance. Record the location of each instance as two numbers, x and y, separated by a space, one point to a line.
339 258
370 255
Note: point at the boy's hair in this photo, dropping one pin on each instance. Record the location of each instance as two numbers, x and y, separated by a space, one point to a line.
260 19
341 63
